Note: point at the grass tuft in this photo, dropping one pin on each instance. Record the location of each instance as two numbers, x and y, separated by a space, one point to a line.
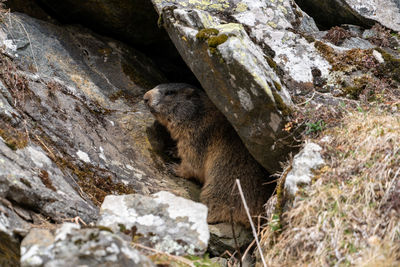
350 214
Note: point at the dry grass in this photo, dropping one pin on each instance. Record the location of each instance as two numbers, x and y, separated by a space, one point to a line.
350 214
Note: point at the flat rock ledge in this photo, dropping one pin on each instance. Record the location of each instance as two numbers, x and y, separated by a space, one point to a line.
162 221
72 246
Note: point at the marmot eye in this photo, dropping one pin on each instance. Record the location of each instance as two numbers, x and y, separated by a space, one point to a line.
170 92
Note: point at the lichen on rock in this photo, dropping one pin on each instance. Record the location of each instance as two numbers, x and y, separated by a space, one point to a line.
168 223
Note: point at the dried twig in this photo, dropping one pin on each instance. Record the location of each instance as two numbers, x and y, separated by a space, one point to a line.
308 100
248 249
181 259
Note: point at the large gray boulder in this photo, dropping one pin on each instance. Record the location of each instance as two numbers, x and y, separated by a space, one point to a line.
73 128
29 178
364 13
72 246
162 221
249 55
215 39
77 108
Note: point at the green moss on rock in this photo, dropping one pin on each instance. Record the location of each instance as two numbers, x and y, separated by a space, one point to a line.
204 34
213 39
272 64
280 104
309 38
278 86
391 66
327 51
352 91
217 40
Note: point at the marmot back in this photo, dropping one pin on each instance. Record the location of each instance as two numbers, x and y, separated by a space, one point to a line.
211 151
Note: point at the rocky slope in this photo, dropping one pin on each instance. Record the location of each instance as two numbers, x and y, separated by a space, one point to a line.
74 131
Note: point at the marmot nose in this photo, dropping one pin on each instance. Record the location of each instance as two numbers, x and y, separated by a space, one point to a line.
147 97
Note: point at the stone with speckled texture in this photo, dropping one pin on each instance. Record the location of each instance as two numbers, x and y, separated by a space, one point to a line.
72 246
237 74
307 160
163 221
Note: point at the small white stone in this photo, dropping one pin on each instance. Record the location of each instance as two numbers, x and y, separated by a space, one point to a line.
378 56
133 255
326 139
101 155
129 167
308 159
83 156
10 45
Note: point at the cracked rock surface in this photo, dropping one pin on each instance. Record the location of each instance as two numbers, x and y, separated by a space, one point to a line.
168 223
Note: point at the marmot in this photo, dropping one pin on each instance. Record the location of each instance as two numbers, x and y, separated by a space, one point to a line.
210 151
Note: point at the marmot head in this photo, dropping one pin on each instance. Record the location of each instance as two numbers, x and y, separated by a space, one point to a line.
174 103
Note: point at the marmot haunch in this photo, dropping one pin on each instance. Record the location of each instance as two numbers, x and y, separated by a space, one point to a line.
210 151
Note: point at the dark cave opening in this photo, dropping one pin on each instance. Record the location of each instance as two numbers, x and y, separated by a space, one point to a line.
328 14
155 43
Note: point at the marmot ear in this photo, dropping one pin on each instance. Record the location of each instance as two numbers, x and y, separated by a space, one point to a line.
189 91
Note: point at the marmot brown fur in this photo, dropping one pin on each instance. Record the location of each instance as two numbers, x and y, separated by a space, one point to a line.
210 151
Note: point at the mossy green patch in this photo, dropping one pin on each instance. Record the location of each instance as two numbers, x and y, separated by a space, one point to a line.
278 86
347 61
26 182
391 66
280 104
204 34
327 51
160 21
100 227
272 64
213 38
217 40
352 91
309 38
